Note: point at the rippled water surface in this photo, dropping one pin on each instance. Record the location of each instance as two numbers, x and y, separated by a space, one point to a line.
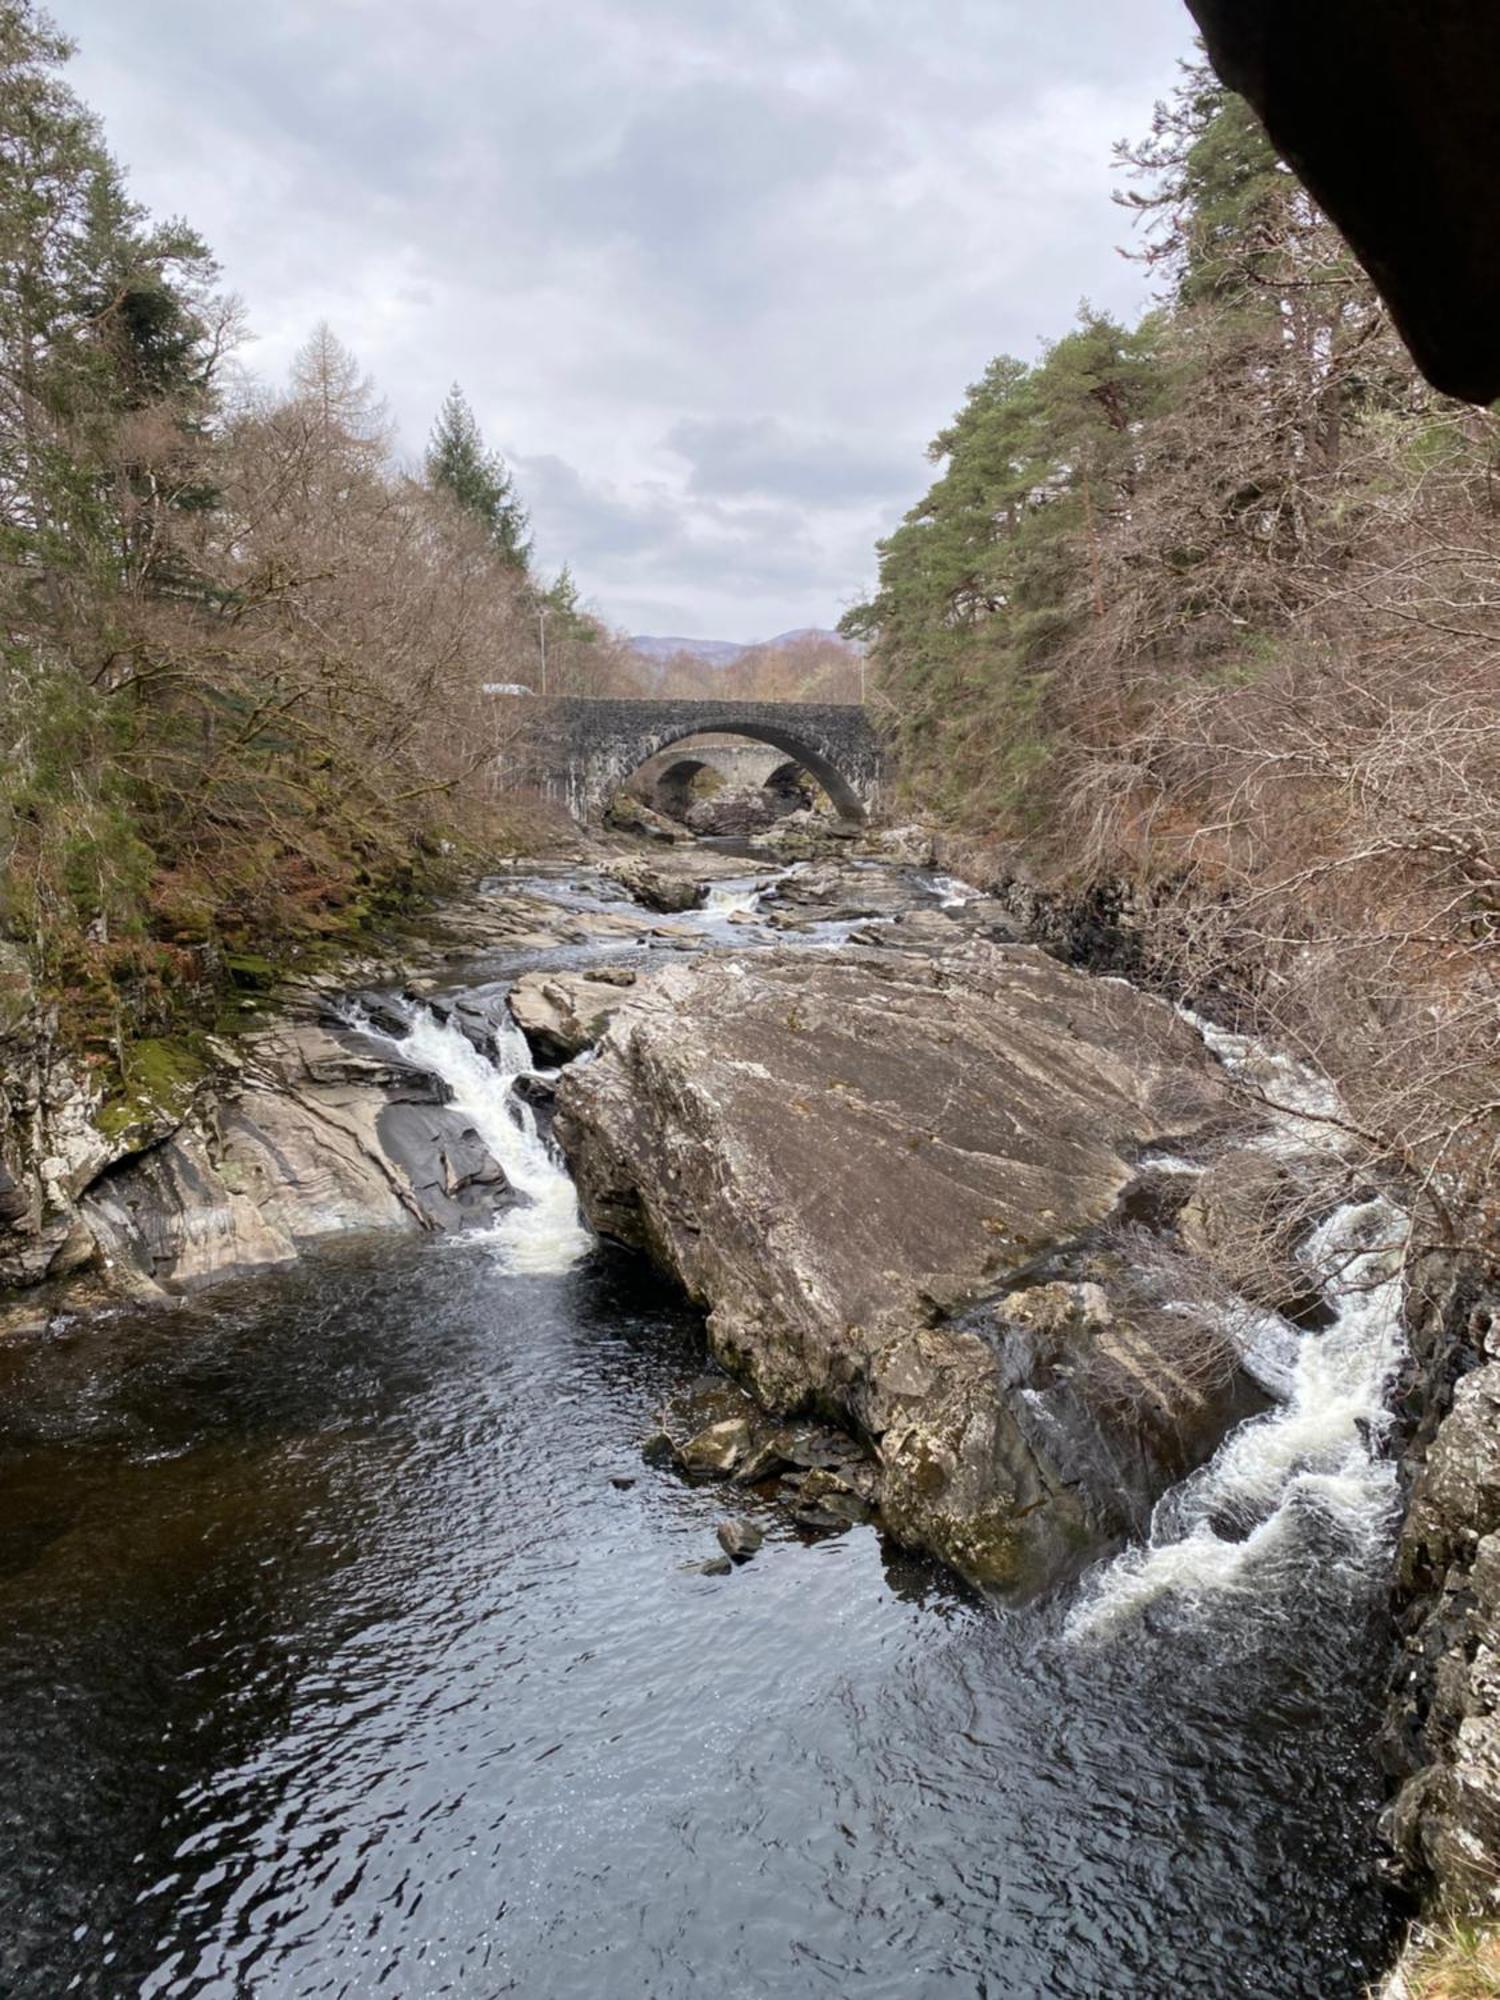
332 1662
335 1662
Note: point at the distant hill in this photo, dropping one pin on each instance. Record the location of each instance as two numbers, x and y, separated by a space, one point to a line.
724 652
716 652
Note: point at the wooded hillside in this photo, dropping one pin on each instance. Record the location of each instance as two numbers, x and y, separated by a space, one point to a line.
244 649
1207 607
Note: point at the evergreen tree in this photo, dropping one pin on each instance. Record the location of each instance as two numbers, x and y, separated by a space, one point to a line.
569 619
104 317
1001 559
458 464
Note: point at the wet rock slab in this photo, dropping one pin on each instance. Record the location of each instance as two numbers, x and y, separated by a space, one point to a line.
842 1157
323 1133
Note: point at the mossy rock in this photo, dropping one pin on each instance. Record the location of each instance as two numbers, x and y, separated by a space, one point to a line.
17 990
161 1076
251 971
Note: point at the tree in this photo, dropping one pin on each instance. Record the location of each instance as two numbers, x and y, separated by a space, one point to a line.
328 382
458 464
1002 560
110 336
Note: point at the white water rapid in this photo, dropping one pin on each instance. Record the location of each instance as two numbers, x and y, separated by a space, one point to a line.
953 894
544 1234
1311 1461
1265 1501
733 899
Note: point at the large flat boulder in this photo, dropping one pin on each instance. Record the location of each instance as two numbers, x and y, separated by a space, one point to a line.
887 1177
563 1013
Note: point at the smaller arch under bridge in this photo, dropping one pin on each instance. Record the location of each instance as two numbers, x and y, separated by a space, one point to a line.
596 744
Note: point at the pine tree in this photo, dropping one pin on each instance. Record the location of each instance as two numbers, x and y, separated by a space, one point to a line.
1001 560
104 316
458 464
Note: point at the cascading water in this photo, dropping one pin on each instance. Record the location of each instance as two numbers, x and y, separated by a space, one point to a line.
544 1235
953 894
1315 1461
733 899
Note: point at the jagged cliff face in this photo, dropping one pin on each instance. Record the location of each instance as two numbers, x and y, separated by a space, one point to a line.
53 1141
1444 1732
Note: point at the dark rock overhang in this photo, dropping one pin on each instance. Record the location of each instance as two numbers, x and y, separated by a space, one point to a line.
1390 112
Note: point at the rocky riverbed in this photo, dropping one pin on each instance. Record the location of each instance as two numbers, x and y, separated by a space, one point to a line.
997 1254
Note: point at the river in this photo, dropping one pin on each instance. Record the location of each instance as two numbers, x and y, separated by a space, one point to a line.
348 1647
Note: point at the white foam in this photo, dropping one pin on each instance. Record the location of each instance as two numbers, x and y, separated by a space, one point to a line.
1306 1105
544 1234
1315 1460
952 894
733 899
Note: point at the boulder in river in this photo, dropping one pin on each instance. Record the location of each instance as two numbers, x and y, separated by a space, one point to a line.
716 1450
628 814
740 1537
668 891
733 814
563 1013
803 835
850 1159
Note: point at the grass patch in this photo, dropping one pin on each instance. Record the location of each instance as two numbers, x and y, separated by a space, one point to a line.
1458 1961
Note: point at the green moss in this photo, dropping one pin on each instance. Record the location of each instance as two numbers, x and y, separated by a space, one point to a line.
160 1075
250 971
986 1547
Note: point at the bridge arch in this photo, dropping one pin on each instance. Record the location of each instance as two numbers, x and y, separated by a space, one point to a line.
847 802
673 785
594 744
784 778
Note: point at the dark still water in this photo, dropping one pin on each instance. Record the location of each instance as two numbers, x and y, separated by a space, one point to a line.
333 1663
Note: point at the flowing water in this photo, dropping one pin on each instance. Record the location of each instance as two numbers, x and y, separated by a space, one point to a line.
348 1648
545 1235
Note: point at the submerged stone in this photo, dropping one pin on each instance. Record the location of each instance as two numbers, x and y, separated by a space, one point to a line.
715 1452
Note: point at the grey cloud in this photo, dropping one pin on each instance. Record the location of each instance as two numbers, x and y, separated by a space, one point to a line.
759 455
711 276
748 554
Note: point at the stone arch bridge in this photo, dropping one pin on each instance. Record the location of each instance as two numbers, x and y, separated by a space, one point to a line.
592 746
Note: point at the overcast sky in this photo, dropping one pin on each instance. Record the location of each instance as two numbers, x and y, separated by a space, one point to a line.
712 272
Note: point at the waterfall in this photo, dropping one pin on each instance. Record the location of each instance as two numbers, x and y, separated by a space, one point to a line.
953 894
730 899
1264 1502
544 1234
